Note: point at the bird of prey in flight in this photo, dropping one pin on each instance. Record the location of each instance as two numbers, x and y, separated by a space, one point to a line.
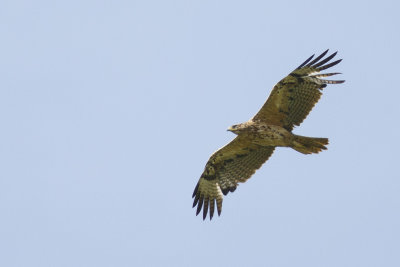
288 105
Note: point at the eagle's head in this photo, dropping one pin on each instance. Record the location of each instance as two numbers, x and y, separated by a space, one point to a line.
237 128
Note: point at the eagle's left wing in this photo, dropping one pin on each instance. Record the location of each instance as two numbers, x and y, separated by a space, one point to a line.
233 163
295 95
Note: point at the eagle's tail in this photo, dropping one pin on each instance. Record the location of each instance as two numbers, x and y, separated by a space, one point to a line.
308 145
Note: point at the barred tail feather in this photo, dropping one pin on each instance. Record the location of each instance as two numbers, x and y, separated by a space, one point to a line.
308 145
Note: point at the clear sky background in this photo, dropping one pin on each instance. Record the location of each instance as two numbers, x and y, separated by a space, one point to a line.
109 111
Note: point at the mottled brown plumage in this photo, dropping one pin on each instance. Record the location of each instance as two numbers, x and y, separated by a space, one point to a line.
287 106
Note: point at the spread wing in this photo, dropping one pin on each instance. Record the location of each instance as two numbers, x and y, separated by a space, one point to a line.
235 162
294 96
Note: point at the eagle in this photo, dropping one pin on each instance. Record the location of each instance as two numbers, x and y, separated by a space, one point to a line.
288 105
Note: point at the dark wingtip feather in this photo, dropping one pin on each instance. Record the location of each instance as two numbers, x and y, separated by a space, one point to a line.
205 208
212 205
195 201
199 206
324 61
318 58
219 206
195 190
329 65
305 62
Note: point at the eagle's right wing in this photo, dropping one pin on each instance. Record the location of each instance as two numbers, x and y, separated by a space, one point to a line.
295 95
233 163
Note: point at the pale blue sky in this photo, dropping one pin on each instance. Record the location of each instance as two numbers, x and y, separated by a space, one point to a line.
109 111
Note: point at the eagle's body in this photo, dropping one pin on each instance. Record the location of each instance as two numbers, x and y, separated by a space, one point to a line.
263 134
287 106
